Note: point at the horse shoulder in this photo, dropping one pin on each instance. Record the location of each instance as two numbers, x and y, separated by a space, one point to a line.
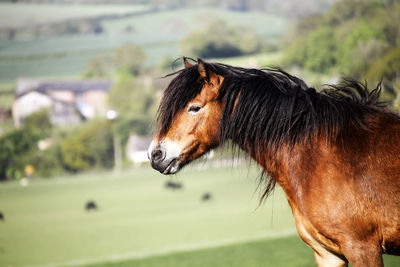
348 194
386 191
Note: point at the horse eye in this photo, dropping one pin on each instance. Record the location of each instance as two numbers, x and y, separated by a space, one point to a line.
194 109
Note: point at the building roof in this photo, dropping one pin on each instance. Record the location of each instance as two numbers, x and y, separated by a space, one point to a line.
27 85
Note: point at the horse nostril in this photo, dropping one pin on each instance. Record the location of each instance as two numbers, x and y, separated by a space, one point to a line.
157 155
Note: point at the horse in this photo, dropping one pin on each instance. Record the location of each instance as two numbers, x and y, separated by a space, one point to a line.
173 185
206 197
90 205
335 153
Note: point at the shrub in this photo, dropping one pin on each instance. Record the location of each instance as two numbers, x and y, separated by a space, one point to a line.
16 147
47 163
89 146
39 123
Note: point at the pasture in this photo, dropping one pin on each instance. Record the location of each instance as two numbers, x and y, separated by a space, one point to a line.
280 252
157 32
46 222
25 14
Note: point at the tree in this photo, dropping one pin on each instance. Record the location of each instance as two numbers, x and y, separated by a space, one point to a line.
346 10
130 57
315 52
99 66
218 39
361 33
134 100
387 69
346 39
320 49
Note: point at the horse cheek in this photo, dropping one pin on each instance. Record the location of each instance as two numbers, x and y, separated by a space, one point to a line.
214 124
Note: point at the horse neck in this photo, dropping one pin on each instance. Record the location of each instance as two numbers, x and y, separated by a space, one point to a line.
279 164
271 161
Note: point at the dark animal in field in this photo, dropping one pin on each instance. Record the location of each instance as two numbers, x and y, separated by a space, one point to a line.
173 185
335 153
1 216
206 197
91 205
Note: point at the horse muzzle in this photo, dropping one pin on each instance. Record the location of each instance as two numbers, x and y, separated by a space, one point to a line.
162 162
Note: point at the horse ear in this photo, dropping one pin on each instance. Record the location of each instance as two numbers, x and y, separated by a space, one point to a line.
202 69
212 80
187 63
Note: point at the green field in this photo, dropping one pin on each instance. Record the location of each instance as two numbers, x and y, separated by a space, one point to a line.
159 33
46 222
281 252
24 14
140 223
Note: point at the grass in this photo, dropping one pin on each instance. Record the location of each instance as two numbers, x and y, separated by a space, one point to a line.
6 96
46 222
285 252
281 252
45 67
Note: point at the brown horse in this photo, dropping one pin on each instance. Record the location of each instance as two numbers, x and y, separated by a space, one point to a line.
335 153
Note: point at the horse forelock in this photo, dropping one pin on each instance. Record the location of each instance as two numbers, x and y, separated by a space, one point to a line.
183 88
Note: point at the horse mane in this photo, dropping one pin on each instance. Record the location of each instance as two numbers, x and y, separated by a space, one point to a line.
264 109
275 108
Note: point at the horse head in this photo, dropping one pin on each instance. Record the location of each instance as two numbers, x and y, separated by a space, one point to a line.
188 117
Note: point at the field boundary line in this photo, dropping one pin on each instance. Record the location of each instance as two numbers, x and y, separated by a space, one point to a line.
175 249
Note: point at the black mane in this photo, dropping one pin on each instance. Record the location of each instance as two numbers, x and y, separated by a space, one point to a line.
265 108
273 106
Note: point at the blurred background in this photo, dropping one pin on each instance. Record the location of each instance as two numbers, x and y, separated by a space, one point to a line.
80 83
